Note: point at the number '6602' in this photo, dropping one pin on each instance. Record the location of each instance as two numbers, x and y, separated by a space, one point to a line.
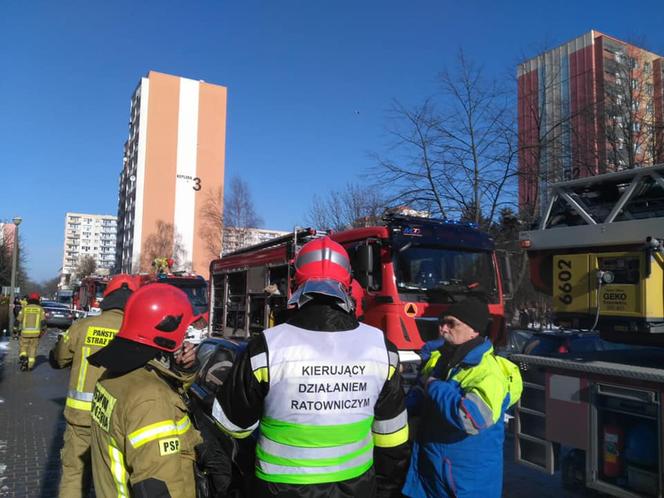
564 277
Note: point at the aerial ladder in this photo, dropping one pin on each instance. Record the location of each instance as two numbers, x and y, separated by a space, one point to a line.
598 415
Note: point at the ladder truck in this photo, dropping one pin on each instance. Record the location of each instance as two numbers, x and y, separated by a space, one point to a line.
598 416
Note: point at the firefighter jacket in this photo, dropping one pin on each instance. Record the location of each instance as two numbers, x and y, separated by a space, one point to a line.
326 393
458 450
142 438
84 337
31 317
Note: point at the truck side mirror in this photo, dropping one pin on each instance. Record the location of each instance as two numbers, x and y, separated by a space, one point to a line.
363 271
505 271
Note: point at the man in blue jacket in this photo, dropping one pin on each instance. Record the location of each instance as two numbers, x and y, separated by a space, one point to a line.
458 451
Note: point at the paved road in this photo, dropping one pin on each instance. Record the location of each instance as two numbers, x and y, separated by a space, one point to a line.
31 427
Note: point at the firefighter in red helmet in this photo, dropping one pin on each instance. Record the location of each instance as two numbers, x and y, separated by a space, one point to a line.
325 391
31 321
142 438
86 337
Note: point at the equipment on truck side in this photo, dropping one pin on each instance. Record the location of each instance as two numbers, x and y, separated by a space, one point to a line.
410 269
598 251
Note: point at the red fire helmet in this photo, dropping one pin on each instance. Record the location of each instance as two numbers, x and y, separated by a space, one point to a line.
157 315
322 267
119 281
34 296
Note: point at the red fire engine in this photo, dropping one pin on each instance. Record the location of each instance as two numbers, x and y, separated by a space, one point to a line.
89 294
410 270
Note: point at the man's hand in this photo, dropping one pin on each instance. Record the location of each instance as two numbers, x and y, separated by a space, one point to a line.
186 357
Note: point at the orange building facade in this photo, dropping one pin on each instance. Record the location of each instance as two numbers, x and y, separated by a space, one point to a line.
174 162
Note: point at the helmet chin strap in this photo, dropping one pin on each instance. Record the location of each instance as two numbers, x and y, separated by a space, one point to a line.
165 359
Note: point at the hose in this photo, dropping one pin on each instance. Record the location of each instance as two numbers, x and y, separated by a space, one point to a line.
600 278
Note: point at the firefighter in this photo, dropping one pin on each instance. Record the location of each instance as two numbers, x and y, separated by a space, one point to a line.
86 337
324 390
31 321
142 438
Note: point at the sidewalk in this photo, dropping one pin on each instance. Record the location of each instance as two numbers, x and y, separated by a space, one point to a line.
31 423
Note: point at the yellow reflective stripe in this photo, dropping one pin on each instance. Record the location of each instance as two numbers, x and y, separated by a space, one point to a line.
118 470
391 372
262 374
79 405
30 333
391 440
159 430
236 435
83 369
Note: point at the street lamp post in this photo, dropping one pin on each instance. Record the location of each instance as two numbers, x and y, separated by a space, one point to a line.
17 221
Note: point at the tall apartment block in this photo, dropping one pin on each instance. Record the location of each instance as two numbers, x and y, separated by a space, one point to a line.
173 168
592 105
88 235
235 239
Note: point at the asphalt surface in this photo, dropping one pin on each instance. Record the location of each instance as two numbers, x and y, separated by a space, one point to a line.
31 428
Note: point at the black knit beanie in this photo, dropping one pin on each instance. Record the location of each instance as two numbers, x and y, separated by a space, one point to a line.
471 311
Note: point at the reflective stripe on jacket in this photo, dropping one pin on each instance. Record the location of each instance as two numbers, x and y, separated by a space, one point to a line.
85 337
460 440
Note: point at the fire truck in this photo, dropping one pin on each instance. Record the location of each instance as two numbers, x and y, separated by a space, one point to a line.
597 413
410 270
89 294
192 284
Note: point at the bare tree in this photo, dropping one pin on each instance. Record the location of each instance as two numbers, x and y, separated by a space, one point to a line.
353 206
457 161
164 242
86 266
212 222
6 246
239 213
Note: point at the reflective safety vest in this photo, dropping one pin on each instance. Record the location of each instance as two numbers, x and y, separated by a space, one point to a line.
318 414
33 315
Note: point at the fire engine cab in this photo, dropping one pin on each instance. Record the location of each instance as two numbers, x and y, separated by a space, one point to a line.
410 270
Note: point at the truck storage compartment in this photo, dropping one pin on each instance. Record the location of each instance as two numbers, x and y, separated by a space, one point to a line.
626 441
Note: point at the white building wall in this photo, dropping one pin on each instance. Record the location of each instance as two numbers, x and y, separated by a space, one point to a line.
88 235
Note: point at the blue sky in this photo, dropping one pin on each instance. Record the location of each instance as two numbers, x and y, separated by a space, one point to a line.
309 83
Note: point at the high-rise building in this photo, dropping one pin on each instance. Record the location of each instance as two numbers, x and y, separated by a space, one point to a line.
88 235
173 170
239 238
592 105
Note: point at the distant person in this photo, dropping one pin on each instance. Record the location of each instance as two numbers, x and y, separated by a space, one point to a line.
86 337
31 321
458 450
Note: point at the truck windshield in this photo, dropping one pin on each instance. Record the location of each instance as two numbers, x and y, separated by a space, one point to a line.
439 275
196 292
